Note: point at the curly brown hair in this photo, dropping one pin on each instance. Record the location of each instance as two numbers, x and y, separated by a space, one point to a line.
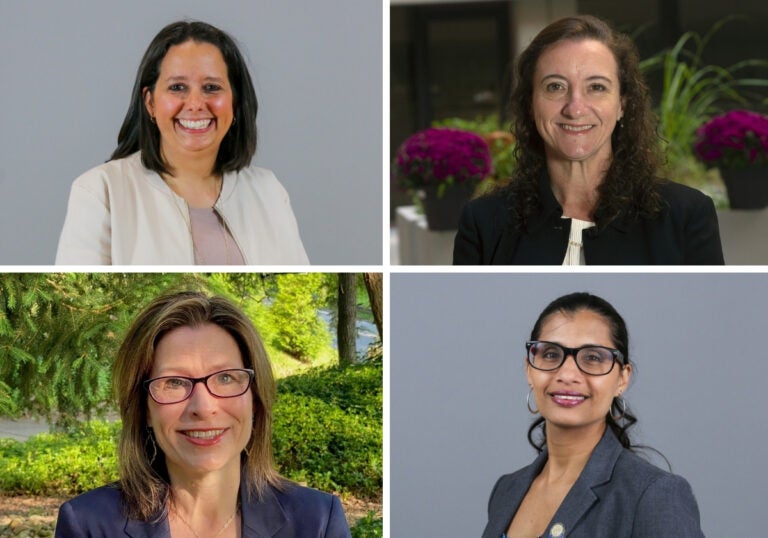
631 183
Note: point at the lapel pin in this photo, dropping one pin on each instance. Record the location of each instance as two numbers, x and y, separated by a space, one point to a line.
557 531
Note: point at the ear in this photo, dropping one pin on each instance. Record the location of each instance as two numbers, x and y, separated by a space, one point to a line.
148 101
528 373
625 374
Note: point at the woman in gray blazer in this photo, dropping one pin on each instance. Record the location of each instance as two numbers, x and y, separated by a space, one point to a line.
586 482
195 394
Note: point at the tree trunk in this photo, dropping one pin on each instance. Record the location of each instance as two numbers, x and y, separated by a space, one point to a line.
347 313
374 284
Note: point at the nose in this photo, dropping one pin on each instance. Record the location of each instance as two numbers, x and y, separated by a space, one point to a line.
195 99
574 104
568 370
201 402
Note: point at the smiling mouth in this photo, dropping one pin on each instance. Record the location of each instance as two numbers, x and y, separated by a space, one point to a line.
575 128
567 400
195 125
203 434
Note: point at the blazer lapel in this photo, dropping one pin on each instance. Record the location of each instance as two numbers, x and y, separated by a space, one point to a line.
264 518
581 497
142 529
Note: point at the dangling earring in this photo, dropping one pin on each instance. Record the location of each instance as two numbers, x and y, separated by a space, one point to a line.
528 403
234 120
151 437
620 403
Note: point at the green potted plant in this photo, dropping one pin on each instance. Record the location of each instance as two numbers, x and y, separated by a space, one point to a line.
442 166
737 144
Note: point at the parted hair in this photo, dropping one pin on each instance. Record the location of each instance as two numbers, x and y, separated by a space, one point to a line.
631 183
139 133
144 480
569 305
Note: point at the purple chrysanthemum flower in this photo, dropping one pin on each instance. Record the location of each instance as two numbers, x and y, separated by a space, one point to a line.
736 139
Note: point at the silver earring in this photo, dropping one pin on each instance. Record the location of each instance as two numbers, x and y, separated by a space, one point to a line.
620 403
151 437
528 403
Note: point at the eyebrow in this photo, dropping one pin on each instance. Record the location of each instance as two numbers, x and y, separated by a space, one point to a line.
591 78
181 78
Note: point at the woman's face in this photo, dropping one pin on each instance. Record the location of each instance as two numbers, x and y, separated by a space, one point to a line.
567 397
576 100
192 101
202 434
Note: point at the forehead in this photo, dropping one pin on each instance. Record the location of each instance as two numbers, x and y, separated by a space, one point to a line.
193 57
577 328
577 58
197 347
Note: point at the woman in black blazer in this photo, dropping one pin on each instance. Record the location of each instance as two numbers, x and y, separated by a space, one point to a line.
195 393
586 482
586 188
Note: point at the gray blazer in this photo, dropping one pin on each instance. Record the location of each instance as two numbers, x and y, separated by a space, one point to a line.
617 495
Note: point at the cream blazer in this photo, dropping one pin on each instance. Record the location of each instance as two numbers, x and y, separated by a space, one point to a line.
121 213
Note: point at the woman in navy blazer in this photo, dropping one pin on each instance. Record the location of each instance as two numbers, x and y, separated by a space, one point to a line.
195 394
586 482
586 189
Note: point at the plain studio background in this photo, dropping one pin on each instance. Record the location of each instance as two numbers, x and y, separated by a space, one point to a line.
67 73
457 389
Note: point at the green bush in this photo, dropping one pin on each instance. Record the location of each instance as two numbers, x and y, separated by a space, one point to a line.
59 463
369 526
356 389
319 444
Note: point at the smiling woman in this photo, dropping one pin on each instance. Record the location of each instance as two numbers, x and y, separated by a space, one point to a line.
195 394
587 480
180 188
586 187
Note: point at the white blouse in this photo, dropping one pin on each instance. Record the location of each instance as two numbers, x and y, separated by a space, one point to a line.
575 253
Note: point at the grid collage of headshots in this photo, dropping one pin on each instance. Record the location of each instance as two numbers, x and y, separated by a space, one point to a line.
383 268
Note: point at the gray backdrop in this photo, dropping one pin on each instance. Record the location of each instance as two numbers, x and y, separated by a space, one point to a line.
457 388
68 69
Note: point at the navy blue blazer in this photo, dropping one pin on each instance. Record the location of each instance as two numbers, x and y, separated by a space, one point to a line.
297 512
684 233
617 495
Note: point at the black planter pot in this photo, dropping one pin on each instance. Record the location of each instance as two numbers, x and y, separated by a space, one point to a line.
443 213
747 187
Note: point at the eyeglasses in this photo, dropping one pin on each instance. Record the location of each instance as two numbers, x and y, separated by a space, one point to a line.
223 384
592 360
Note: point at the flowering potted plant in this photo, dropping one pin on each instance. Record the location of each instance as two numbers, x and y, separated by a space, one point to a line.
443 166
737 144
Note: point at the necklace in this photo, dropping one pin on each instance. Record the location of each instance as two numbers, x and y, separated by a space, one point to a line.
221 530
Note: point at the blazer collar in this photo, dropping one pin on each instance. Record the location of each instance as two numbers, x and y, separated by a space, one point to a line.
261 519
597 472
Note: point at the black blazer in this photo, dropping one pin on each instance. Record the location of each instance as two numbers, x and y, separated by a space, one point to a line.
297 512
617 495
685 233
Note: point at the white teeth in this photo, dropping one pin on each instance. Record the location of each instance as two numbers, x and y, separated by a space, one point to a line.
209 434
574 128
195 124
566 397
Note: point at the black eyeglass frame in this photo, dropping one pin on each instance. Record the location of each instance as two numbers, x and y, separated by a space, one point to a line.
618 356
204 381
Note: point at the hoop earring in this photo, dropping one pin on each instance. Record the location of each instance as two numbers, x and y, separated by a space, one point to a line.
151 437
528 403
619 402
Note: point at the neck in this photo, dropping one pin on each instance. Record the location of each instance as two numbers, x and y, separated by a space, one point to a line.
207 500
194 181
575 185
569 450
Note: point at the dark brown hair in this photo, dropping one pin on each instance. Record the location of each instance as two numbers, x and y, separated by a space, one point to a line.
139 133
631 182
144 479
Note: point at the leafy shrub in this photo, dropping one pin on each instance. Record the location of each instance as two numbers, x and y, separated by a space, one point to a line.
59 463
356 389
318 443
369 526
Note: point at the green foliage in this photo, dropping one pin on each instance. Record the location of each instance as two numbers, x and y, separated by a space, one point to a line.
299 329
369 526
60 463
693 92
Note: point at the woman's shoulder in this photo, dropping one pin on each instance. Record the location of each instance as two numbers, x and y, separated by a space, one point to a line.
100 501
638 473
117 170
302 497
679 195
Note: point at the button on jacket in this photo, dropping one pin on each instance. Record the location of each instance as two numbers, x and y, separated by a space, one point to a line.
684 233
121 213
617 495
296 513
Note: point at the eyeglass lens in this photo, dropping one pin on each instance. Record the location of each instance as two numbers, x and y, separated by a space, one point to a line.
592 360
224 384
